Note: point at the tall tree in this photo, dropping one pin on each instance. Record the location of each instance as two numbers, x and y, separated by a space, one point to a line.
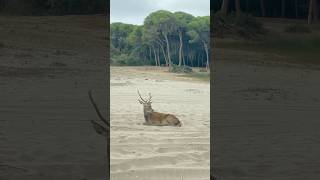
224 7
283 8
310 11
262 8
182 21
119 34
165 23
238 7
315 10
199 30
296 8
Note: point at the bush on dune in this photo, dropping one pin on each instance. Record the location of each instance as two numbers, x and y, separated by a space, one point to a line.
125 59
180 69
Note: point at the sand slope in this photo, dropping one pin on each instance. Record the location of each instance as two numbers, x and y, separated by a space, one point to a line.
153 153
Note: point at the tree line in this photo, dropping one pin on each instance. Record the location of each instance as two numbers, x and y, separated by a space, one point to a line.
164 39
301 9
52 7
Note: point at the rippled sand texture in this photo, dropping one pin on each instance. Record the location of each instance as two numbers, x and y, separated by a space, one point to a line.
151 152
266 119
47 66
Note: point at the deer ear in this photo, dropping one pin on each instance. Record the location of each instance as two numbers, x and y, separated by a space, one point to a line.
99 128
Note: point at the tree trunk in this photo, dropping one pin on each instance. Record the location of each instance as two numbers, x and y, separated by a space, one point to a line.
310 11
224 7
263 10
283 8
238 8
150 57
296 8
168 49
207 53
183 60
180 48
158 57
213 54
247 5
155 56
315 10
164 54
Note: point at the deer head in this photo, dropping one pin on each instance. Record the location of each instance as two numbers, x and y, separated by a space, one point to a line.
145 102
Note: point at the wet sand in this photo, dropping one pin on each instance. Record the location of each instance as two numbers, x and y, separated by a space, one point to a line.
152 152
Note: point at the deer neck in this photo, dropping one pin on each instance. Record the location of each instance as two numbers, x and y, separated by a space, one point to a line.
147 112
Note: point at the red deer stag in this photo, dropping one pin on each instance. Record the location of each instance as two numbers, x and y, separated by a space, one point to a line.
155 118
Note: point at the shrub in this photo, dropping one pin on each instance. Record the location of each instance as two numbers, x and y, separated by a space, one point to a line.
297 28
203 70
118 59
244 25
125 59
248 26
180 69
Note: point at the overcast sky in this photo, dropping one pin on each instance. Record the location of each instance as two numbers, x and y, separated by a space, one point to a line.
134 11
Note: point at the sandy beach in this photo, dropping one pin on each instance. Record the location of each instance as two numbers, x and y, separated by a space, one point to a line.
152 152
47 66
265 118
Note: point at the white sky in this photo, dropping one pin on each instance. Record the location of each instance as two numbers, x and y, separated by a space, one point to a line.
134 11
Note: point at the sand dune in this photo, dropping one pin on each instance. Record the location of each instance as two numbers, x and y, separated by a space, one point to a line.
150 152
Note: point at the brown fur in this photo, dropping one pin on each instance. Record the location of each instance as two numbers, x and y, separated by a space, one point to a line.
155 118
161 119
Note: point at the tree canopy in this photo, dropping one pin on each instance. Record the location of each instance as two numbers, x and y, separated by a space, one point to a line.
164 39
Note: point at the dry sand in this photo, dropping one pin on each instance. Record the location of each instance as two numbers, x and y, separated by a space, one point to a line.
47 65
152 152
266 118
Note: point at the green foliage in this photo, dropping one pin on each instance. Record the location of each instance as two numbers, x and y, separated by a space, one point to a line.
160 37
180 69
183 19
199 29
163 21
125 59
119 34
135 36
297 28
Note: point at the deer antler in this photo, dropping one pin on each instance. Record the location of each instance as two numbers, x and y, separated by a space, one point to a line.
149 100
141 99
97 110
